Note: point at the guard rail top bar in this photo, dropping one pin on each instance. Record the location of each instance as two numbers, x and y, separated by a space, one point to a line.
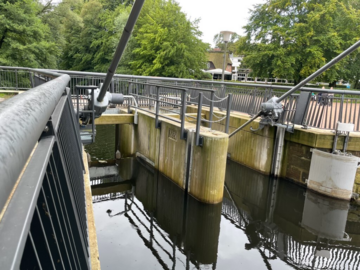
22 120
134 77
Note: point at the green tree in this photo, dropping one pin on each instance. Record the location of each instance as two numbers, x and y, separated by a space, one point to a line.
293 38
112 25
167 43
24 39
92 34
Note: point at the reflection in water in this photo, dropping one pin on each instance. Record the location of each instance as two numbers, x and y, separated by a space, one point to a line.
144 221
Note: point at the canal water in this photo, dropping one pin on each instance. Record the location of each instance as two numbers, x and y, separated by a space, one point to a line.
144 221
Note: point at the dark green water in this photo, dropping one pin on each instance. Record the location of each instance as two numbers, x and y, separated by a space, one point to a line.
144 221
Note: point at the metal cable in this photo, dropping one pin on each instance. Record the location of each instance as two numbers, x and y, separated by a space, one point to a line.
205 120
214 121
215 101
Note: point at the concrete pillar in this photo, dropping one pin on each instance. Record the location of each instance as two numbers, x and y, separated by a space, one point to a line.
207 172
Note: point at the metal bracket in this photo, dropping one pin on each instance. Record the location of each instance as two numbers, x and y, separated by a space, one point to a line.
48 130
158 124
184 135
201 141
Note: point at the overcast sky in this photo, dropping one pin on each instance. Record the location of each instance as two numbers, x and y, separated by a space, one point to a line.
219 15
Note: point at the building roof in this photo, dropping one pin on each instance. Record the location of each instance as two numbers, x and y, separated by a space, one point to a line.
217 58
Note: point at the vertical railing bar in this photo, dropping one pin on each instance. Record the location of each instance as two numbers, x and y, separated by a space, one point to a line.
351 110
35 251
45 237
331 111
74 184
244 96
244 100
92 116
336 116
183 112
70 171
341 108
319 108
198 120
50 218
75 214
56 205
228 113
326 108
66 215
212 96
157 107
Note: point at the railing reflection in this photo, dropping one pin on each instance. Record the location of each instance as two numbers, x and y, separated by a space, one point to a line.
280 220
175 227
304 229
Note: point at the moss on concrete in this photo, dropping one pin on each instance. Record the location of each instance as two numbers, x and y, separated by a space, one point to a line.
252 149
172 157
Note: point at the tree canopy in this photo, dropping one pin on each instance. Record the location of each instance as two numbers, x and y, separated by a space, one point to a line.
167 43
24 39
293 38
83 35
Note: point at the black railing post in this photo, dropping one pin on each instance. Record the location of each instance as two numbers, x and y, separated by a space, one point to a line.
157 107
341 108
212 96
129 101
92 116
183 114
198 121
16 79
228 113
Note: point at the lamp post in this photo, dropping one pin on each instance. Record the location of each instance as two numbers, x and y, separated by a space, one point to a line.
226 37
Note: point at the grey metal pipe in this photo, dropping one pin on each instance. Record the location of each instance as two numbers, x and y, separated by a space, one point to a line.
245 124
134 14
320 71
22 120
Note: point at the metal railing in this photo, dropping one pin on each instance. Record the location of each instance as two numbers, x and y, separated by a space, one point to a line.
337 106
43 222
151 94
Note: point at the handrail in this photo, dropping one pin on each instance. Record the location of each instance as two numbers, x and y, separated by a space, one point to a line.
134 77
22 120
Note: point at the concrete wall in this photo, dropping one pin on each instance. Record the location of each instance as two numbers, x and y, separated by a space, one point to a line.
252 149
255 149
166 151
